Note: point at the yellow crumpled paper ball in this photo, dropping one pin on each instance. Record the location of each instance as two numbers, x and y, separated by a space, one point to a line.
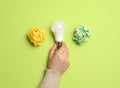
36 36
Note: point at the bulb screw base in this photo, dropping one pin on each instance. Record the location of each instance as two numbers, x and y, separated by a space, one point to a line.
59 44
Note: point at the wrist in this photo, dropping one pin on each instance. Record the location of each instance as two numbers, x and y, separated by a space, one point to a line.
53 71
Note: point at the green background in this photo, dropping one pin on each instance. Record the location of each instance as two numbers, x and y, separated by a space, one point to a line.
96 64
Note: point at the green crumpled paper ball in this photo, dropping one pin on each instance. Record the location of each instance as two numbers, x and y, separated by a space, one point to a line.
81 34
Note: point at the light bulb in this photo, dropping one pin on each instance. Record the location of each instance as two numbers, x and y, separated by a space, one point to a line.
58 28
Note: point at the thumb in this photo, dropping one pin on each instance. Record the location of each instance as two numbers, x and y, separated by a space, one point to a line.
52 50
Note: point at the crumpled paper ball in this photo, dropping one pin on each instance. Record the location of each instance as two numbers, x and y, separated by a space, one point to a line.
36 36
81 34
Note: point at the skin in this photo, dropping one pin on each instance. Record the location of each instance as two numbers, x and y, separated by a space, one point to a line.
58 60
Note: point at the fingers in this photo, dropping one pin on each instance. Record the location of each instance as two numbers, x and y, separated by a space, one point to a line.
66 52
62 48
53 49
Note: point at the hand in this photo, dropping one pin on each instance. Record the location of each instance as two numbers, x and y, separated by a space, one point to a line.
58 58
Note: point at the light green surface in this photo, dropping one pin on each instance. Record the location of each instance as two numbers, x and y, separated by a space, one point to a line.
96 64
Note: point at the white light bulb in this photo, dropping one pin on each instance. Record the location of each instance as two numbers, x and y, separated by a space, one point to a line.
58 28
